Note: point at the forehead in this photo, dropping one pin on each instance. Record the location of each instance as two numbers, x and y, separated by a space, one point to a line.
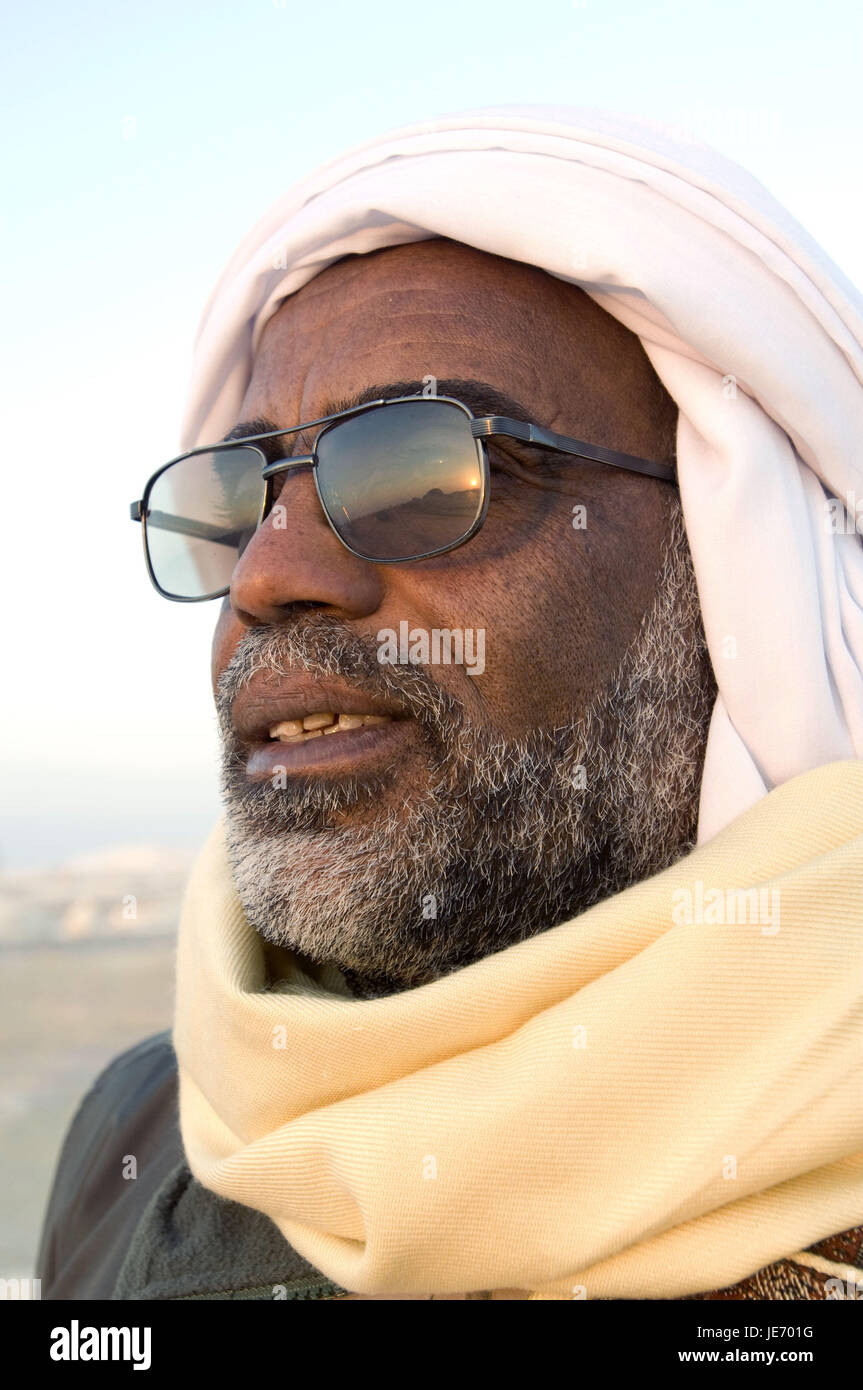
433 308
441 309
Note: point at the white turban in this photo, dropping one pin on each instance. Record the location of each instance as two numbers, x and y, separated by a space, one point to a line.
754 332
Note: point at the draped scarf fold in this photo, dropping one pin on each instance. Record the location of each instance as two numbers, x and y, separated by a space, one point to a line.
655 1098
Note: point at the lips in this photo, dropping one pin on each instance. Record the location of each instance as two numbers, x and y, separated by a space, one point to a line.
302 723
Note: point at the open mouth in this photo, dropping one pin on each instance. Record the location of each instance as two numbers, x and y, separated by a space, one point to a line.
300 726
322 722
333 741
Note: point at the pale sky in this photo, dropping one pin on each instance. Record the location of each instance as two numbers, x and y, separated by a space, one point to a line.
142 143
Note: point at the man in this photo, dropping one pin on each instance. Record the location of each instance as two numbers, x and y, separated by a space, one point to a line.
462 1010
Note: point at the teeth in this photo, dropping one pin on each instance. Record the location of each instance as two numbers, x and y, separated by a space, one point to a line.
323 722
318 721
351 721
287 728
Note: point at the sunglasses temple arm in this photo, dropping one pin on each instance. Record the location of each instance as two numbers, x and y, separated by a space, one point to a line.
561 443
185 526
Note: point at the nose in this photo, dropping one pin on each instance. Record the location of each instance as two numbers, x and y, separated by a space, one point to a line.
296 558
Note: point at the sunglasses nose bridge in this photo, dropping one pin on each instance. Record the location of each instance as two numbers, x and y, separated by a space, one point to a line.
286 464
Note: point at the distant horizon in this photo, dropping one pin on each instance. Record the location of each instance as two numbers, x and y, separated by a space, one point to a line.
107 859
88 811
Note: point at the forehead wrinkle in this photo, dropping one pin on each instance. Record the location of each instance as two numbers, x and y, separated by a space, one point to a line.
569 355
427 290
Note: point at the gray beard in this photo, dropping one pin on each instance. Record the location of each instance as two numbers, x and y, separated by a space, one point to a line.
511 836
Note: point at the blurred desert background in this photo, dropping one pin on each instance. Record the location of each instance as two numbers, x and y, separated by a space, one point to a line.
86 970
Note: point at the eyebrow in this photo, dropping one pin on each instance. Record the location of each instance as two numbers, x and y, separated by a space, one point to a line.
481 398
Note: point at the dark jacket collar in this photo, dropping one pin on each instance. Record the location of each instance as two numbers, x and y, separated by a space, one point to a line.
192 1244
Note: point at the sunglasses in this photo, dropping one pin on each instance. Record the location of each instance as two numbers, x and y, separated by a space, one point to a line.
398 480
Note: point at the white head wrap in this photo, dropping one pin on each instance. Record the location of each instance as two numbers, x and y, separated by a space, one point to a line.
754 332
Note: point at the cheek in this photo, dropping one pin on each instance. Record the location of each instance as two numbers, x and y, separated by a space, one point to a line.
543 639
559 604
226 635
536 628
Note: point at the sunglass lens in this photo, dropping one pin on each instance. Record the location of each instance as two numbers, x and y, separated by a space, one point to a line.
402 481
201 513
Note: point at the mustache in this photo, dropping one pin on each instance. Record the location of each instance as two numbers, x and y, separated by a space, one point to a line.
322 645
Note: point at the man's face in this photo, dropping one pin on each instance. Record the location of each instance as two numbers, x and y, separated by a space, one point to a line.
351 853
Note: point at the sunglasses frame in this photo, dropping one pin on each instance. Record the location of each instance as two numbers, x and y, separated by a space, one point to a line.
481 428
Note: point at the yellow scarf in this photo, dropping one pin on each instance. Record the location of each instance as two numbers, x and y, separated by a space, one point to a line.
647 1101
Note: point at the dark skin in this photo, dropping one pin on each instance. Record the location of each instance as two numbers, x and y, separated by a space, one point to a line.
559 606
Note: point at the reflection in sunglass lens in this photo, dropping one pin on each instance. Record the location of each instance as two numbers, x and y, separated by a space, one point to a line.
200 514
401 481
